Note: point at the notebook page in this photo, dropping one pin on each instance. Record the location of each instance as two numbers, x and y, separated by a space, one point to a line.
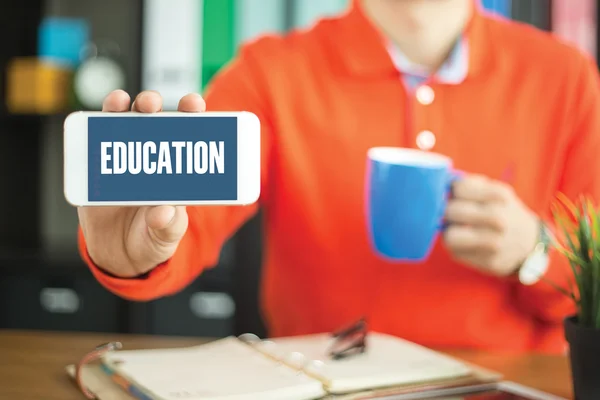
388 361
226 369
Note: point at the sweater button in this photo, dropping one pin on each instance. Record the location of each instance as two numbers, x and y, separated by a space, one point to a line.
425 95
425 140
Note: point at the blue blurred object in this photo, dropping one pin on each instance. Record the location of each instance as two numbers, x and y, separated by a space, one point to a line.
61 40
406 196
501 7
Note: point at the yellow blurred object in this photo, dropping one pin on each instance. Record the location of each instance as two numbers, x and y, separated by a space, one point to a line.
37 87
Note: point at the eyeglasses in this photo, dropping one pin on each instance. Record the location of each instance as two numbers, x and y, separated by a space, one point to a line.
349 341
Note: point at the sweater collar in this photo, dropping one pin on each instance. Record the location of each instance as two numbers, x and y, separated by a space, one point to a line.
365 51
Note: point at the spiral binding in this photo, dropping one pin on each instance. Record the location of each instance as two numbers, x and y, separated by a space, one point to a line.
295 359
345 343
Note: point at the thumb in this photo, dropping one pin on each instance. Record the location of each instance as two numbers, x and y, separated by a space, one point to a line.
166 224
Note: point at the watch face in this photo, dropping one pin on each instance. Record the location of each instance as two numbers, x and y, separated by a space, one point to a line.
95 79
534 268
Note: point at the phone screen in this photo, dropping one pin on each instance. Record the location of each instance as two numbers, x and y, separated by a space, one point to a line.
162 159
492 395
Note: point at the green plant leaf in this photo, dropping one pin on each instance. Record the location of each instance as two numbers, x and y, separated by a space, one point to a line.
579 228
592 217
567 229
562 290
568 204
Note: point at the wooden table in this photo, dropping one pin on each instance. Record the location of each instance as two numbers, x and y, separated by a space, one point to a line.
32 363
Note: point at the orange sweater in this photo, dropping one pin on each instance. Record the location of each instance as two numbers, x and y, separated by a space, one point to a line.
527 112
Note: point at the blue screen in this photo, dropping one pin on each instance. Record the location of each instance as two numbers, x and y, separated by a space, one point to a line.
162 158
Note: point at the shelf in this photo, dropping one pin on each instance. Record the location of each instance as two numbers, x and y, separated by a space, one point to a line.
31 117
34 261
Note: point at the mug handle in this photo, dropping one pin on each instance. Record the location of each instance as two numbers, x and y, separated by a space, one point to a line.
454 176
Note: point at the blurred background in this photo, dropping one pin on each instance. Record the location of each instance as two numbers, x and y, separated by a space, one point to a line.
59 56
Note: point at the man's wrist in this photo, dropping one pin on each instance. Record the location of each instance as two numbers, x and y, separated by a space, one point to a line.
145 275
109 274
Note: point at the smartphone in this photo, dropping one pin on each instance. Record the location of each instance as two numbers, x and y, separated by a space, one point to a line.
493 391
174 158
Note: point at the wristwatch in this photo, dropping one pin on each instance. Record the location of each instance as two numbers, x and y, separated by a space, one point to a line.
536 264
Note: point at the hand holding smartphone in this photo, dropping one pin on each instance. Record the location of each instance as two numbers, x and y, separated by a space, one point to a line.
132 174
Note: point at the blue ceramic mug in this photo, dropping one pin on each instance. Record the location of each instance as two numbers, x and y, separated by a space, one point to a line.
407 192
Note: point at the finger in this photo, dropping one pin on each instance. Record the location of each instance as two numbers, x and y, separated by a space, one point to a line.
464 239
477 260
473 213
116 101
192 102
147 102
480 188
167 224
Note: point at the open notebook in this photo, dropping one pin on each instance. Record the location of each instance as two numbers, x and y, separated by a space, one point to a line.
294 368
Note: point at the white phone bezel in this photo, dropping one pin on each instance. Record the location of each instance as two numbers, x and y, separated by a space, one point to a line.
76 158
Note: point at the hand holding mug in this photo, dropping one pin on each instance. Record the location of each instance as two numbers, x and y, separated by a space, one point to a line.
409 204
489 227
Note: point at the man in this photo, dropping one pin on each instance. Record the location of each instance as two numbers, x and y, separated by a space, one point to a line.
514 108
